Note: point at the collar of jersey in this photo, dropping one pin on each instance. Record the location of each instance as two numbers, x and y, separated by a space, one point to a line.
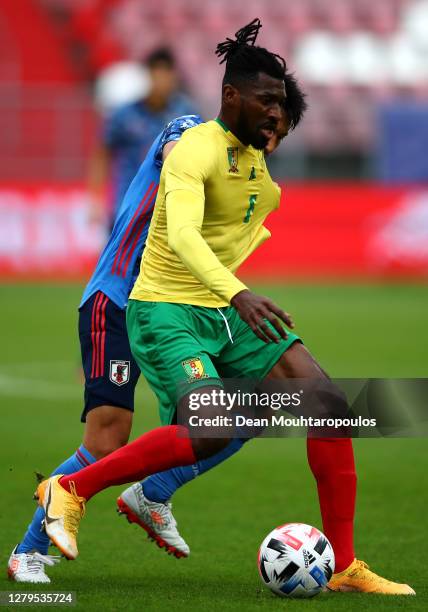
234 140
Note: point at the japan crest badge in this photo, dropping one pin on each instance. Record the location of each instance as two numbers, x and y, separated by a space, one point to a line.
119 371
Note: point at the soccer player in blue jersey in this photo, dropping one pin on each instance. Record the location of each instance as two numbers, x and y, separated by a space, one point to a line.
128 133
111 372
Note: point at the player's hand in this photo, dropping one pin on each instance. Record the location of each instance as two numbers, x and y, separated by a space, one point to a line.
254 309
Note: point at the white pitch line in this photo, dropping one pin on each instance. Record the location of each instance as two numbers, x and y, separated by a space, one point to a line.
28 388
39 366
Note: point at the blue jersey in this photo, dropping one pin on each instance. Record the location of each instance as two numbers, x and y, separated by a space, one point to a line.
119 263
129 132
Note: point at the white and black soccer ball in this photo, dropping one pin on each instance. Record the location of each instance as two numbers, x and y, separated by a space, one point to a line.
296 560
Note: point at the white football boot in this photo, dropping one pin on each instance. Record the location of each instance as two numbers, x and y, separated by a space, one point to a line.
155 518
29 566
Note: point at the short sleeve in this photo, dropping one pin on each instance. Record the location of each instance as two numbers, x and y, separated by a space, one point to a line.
173 132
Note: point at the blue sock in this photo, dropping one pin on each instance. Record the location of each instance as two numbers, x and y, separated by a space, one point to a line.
35 539
160 487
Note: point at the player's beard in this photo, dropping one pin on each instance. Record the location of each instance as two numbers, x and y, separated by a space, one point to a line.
248 133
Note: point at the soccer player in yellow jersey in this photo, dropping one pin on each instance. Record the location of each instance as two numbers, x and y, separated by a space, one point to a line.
191 321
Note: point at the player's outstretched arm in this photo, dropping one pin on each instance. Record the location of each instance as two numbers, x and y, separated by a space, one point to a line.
254 309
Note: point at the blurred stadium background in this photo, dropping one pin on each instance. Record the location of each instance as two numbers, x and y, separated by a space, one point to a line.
348 258
356 201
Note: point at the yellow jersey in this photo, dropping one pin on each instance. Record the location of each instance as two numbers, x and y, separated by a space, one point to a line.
214 195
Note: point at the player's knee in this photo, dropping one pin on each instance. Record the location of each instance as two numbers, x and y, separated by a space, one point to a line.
107 430
334 399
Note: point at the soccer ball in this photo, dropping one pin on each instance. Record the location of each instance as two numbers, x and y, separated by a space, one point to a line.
296 560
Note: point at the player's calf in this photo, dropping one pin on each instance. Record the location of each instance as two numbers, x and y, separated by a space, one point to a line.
107 428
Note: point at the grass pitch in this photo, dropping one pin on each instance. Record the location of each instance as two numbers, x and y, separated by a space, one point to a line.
354 331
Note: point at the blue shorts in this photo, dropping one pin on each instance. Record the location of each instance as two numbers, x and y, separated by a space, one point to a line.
111 372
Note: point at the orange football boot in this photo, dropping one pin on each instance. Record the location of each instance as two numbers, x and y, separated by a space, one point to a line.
358 578
63 511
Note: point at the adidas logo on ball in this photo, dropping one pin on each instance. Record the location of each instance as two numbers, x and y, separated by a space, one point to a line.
308 558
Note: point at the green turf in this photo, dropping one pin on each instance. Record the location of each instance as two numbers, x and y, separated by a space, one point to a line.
353 330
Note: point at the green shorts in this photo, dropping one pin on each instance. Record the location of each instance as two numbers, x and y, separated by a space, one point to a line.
179 347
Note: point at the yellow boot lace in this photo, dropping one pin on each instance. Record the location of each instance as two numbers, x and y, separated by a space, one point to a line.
360 567
75 509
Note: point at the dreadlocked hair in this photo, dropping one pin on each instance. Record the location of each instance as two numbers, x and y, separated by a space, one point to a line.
295 103
244 60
